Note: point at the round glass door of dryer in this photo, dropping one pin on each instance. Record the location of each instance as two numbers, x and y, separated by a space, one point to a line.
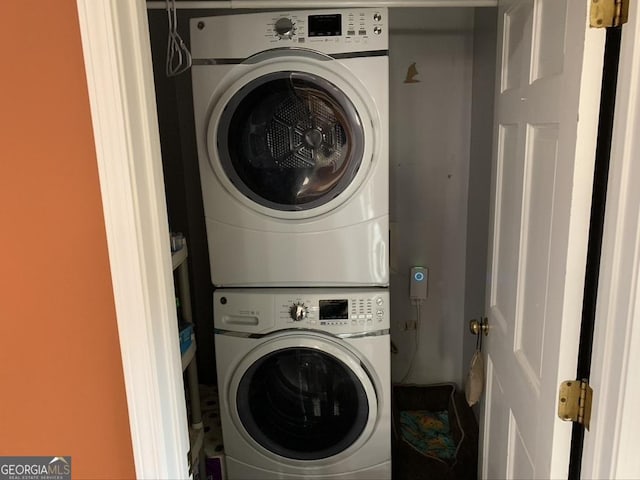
304 404
290 141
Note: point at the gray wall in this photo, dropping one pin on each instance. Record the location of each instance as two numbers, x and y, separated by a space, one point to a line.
438 187
484 61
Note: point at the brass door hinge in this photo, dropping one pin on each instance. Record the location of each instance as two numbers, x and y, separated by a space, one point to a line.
608 13
574 404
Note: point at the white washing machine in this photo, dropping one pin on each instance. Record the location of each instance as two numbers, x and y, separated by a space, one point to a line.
304 383
291 116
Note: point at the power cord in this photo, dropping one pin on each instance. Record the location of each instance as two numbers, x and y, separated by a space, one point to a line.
416 341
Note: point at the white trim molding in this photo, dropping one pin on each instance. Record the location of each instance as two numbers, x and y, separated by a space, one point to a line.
307 4
117 54
611 448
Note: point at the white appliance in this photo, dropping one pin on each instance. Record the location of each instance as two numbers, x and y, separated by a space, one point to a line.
291 116
304 382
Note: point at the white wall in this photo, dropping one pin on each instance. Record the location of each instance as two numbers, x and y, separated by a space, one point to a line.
430 133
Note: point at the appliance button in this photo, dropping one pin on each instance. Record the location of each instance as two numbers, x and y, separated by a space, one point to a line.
377 17
377 30
379 301
284 27
380 312
298 311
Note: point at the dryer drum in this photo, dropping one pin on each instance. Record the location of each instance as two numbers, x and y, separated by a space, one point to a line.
306 131
290 140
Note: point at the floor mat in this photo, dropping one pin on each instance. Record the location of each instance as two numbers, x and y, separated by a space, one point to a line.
428 433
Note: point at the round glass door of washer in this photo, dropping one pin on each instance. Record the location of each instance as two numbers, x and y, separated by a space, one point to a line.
305 404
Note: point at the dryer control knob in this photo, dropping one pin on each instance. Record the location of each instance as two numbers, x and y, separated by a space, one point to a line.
284 27
298 311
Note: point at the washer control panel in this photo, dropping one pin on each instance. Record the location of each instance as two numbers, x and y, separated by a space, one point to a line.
347 310
337 31
343 310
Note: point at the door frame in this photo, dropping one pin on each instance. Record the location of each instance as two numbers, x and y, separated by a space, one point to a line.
117 55
610 448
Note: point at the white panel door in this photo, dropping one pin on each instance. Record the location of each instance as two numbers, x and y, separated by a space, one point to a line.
546 121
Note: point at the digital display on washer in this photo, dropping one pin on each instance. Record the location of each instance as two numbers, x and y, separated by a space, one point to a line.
325 25
334 309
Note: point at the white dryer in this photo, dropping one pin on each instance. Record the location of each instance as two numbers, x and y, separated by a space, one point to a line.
304 383
291 115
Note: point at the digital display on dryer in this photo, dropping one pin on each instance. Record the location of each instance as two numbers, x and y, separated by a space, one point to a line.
334 309
325 25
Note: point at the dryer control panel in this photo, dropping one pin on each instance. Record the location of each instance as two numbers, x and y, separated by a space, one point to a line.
341 31
339 311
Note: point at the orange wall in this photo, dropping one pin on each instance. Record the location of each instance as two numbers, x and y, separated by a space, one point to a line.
61 383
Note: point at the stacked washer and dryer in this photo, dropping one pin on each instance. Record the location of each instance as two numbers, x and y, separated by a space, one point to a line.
291 114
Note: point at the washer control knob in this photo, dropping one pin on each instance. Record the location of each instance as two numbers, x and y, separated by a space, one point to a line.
284 27
298 311
377 17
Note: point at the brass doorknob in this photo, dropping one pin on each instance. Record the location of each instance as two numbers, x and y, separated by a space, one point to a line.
479 326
